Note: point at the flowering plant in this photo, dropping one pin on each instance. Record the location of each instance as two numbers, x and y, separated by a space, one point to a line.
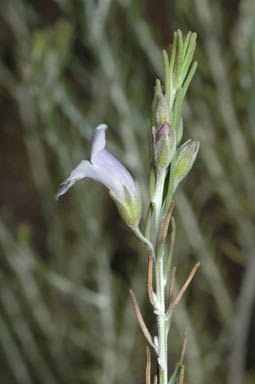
168 162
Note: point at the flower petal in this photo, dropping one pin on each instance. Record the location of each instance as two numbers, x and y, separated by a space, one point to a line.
83 170
98 141
113 173
104 168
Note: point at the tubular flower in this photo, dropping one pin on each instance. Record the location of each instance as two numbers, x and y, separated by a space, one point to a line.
107 170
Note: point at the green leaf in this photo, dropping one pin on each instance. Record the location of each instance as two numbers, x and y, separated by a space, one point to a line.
187 59
152 182
171 248
157 90
178 67
180 97
189 78
185 45
166 70
177 110
170 189
181 375
171 65
174 377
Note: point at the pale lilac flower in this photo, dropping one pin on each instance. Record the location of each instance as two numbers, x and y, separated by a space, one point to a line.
107 170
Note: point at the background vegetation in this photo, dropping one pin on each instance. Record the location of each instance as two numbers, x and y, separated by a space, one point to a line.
65 268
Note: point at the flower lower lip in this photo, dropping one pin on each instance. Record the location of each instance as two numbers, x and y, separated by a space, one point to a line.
102 167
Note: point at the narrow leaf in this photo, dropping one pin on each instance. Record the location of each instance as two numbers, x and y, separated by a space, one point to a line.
179 59
148 366
185 285
188 58
140 319
157 90
171 248
181 375
166 71
185 45
174 377
164 230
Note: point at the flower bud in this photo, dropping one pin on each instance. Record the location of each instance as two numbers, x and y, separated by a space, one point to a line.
163 111
165 145
186 156
131 209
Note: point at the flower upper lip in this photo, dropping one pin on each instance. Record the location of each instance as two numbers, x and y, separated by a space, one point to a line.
102 167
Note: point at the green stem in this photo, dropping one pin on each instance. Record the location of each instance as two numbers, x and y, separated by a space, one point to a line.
139 234
162 322
158 197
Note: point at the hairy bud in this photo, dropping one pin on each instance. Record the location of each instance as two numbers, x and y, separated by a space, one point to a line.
185 159
165 146
163 111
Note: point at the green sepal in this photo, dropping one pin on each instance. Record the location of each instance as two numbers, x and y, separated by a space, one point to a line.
186 156
131 210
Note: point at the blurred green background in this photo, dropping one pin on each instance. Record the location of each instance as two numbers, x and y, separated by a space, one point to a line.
65 269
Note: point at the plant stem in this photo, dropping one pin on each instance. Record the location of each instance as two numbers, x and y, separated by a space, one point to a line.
139 234
160 281
162 318
162 323
158 197
178 75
